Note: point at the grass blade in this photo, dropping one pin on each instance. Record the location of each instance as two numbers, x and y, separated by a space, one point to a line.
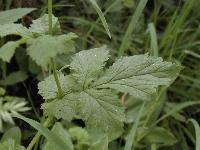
154 43
197 129
131 136
60 144
131 26
101 16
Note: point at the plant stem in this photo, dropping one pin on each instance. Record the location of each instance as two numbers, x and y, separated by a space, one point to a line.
60 94
38 135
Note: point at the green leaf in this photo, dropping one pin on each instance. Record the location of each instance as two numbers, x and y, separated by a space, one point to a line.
13 15
16 135
49 90
41 26
63 134
14 29
154 137
10 145
43 48
101 15
7 50
101 144
58 143
59 109
86 64
14 78
138 75
99 109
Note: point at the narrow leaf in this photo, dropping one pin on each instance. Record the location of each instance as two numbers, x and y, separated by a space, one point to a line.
101 15
138 75
59 144
86 64
43 48
99 109
131 136
41 26
10 16
14 29
197 131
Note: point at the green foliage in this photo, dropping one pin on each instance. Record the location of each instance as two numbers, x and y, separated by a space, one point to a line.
97 105
10 145
13 15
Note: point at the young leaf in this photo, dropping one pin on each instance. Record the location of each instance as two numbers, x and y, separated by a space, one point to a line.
43 48
99 108
101 16
41 26
13 15
138 75
15 29
86 64
49 90
10 145
7 50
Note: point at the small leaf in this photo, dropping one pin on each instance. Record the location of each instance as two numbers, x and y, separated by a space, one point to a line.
101 16
14 78
10 145
101 144
16 135
41 26
13 15
153 137
7 50
138 75
43 48
86 64
49 90
99 109
14 29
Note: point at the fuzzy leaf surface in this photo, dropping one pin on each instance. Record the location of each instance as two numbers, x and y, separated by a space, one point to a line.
43 48
41 26
10 145
138 75
86 64
13 15
49 90
8 50
99 108
15 29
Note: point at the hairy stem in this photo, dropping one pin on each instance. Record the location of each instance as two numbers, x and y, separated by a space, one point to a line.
60 94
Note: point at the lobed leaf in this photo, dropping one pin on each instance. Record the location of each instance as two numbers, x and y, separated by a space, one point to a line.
41 26
43 48
86 64
138 75
14 29
13 15
99 109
